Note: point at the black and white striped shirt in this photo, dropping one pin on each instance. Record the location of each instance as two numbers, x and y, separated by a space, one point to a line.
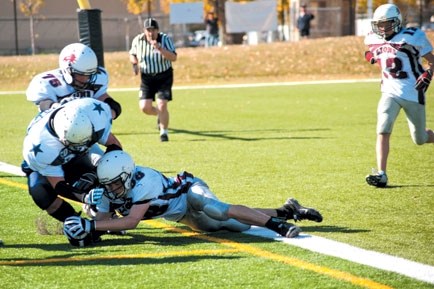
150 60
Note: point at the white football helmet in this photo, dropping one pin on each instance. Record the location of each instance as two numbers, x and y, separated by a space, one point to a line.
77 58
74 128
384 13
115 172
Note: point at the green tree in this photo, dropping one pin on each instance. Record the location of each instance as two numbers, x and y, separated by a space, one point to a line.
30 8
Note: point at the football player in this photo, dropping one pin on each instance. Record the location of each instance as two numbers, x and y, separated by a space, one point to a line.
58 160
404 81
78 76
139 193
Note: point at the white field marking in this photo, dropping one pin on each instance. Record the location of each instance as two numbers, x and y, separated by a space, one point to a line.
328 247
11 169
344 251
265 84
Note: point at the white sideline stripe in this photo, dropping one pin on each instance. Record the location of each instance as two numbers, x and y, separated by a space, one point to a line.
344 251
11 169
328 247
265 84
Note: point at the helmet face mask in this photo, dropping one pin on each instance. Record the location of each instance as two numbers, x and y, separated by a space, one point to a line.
115 172
76 148
116 189
77 60
387 20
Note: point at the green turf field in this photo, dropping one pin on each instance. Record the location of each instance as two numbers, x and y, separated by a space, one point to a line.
254 146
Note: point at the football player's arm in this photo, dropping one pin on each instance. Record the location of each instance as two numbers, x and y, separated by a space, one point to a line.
42 97
47 104
62 188
125 223
429 57
424 80
114 105
113 143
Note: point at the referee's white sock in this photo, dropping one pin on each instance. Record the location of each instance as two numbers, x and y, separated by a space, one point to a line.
163 131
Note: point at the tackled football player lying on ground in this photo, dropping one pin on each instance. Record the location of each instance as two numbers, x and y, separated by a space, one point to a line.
140 193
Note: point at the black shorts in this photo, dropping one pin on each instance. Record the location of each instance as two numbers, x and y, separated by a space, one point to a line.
157 84
304 32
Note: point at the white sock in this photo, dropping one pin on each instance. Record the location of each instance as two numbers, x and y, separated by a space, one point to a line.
163 131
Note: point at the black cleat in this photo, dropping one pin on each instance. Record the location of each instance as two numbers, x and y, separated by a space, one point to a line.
298 212
164 137
289 230
377 180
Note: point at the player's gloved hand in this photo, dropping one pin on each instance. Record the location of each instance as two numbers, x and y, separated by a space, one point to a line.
86 182
94 196
369 56
77 227
424 80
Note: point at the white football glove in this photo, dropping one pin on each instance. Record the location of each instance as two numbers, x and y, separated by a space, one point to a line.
77 227
94 196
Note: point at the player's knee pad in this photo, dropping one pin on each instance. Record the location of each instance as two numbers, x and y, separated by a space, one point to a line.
200 198
217 210
41 191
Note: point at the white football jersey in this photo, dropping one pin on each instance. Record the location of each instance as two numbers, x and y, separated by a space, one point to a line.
400 61
167 196
42 149
51 85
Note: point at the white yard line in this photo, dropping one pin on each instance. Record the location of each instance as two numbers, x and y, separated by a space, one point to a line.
11 169
328 247
344 251
265 84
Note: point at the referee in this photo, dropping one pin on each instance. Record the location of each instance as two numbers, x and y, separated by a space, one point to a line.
152 53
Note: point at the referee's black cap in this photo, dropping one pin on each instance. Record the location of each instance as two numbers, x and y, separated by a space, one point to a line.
151 23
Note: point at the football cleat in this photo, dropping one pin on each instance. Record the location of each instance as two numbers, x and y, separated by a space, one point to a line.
298 212
378 180
289 230
164 137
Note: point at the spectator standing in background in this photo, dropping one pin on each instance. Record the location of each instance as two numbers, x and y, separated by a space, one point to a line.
303 21
152 54
212 30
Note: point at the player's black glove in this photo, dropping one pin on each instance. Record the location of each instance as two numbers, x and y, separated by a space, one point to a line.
369 56
86 182
424 80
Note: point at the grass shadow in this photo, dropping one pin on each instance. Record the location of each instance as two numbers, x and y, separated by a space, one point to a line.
226 134
333 229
